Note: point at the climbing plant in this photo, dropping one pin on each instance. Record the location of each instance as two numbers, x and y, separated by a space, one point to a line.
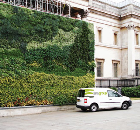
44 58
48 40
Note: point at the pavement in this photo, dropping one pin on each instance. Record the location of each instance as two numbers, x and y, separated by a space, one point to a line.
28 110
109 119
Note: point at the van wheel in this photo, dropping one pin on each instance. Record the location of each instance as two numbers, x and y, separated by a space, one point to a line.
125 106
93 108
83 109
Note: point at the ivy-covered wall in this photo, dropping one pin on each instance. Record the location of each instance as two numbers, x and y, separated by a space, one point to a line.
50 41
33 41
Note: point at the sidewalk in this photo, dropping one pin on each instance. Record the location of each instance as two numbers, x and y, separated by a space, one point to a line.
135 101
28 110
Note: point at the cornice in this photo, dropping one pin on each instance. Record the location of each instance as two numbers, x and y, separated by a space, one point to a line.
115 12
116 47
108 46
105 14
113 46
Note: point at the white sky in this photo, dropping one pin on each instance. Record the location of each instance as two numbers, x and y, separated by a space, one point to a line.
117 1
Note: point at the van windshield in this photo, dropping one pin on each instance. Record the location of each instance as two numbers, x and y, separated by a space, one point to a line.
81 93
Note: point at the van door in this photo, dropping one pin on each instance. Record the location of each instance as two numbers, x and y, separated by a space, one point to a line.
114 99
102 99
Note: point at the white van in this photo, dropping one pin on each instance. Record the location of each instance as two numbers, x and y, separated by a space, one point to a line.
101 98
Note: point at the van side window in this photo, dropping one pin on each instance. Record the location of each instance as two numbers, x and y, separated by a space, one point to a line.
81 93
113 94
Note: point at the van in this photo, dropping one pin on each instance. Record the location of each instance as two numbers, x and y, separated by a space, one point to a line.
101 98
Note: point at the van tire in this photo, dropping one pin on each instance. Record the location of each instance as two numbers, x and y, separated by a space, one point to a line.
93 107
125 106
83 109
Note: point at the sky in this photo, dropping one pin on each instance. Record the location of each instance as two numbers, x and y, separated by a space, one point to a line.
117 1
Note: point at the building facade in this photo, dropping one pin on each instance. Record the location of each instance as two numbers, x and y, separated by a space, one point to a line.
117 34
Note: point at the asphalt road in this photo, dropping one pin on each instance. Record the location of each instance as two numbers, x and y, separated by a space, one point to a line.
76 120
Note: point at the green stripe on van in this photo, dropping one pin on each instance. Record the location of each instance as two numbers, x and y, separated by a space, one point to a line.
89 91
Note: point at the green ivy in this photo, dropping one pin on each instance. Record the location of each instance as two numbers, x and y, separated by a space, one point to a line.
38 87
44 58
45 38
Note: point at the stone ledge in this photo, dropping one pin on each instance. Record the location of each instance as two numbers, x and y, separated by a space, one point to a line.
28 110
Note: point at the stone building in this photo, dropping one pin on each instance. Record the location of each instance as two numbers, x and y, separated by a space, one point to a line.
117 34
117 47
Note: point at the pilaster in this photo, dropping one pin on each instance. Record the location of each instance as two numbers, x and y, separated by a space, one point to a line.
131 50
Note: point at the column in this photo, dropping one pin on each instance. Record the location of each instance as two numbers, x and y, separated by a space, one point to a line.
26 3
60 7
57 7
47 6
138 38
131 50
90 3
30 3
42 5
69 10
37 5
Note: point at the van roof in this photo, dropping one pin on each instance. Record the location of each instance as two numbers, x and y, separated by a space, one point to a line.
96 89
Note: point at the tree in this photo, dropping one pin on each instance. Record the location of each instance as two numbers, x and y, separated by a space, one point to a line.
80 51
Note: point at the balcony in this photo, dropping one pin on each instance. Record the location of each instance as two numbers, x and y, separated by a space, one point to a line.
57 7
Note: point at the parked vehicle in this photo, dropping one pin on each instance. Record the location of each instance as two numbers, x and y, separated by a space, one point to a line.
101 98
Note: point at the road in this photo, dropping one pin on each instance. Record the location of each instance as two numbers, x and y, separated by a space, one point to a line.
76 120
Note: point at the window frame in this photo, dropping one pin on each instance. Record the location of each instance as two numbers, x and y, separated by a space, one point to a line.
137 42
102 67
115 39
99 74
99 31
137 39
113 68
137 67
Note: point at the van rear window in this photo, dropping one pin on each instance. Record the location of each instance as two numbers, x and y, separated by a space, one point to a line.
81 93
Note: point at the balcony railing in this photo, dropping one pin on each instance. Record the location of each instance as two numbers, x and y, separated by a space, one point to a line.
57 7
103 83
54 6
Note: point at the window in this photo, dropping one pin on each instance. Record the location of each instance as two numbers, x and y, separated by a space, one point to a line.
115 65
137 39
115 68
99 69
113 94
137 66
100 35
81 93
100 65
115 38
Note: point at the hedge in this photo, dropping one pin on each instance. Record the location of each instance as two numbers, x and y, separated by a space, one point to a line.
131 91
41 88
